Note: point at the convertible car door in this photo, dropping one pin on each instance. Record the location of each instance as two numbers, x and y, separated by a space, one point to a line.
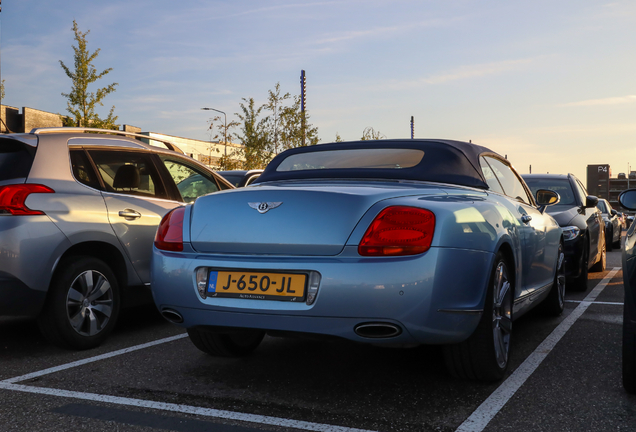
537 259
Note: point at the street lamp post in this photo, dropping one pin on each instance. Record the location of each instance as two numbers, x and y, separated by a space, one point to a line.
224 132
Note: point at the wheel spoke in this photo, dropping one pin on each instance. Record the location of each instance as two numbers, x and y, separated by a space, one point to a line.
102 287
86 281
103 308
92 322
74 297
78 320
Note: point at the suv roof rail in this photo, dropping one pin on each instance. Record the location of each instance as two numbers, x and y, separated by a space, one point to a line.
168 144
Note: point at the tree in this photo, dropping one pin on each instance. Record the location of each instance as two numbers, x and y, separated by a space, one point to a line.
229 161
82 103
370 134
338 138
292 127
2 90
254 136
275 104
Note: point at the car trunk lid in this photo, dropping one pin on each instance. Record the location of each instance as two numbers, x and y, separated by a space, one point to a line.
292 220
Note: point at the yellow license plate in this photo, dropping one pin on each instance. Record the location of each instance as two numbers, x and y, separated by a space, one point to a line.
257 285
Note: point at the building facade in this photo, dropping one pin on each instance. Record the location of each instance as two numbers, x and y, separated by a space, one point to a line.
206 152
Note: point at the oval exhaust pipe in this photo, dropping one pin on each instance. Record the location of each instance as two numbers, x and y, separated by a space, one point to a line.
172 316
377 330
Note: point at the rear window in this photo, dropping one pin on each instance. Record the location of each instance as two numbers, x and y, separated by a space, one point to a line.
16 159
388 158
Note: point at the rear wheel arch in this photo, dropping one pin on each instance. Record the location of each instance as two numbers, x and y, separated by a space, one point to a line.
103 251
509 255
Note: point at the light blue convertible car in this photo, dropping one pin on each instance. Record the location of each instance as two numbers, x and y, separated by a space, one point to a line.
397 242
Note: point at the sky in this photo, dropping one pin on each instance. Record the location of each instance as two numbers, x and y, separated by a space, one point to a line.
551 84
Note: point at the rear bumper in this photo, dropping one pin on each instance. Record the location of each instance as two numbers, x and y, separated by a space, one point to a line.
29 249
17 299
434 298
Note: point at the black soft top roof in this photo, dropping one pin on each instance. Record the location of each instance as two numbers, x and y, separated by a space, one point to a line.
444 161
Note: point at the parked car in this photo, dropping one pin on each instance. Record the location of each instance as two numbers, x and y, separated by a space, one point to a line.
581 222
621 176
395 242
241 178
627 199
78 215
613 224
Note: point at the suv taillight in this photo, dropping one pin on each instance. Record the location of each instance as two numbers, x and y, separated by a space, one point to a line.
13 197
399 231
170 232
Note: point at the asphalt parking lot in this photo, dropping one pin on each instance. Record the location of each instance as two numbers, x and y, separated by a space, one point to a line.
565 375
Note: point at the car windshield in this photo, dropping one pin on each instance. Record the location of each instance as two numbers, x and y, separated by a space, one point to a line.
560 186
388 158
602 207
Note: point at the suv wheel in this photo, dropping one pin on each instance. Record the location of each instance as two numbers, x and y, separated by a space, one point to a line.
82 305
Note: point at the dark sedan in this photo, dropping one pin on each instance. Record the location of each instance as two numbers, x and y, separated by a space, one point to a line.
613 224
581 222
628 200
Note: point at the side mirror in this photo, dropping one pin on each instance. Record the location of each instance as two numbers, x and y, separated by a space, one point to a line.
614 212
627 199
546 198
591 201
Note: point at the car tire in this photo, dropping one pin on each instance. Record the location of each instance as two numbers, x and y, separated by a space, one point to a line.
484 356
580 283
610 239
629 356
239 344
600 266
555 302
82 304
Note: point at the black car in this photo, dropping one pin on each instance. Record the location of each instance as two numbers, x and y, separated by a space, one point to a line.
241 178
628 200
613 224
581 222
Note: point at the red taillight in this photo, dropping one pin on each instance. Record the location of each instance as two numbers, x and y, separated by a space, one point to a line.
170 232
13 197
399 231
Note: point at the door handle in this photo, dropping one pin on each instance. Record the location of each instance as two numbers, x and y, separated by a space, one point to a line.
130 214
526 219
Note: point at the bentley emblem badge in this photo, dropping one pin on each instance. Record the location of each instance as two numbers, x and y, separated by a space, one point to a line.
264 207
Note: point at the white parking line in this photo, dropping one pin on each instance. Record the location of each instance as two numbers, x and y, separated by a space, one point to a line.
480 418
92 359
184 409
596 302
9 384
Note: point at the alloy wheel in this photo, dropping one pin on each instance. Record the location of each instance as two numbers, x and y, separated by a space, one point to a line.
89 303
502 314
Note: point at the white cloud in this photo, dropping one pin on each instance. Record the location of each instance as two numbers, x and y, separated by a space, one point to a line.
478 70
603 101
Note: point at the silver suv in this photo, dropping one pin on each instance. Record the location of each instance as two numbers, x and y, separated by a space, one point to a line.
78 215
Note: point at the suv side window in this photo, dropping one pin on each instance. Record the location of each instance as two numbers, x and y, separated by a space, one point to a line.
83 170
129 173
189 179
511 184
